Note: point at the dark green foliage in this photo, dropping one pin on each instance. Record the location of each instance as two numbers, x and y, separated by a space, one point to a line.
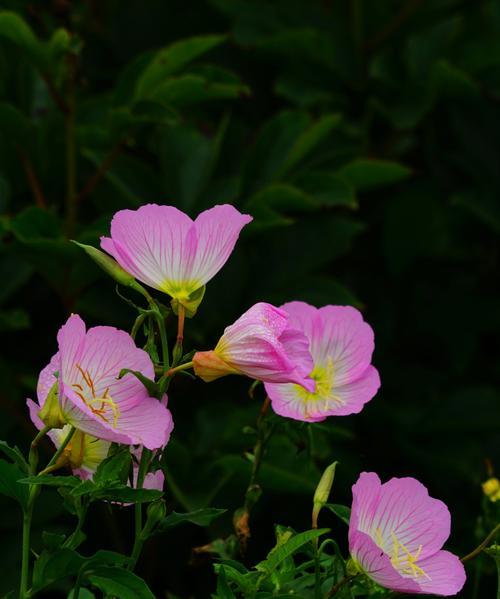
364 139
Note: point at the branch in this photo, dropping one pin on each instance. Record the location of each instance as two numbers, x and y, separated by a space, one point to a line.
32 179
102 169
482 546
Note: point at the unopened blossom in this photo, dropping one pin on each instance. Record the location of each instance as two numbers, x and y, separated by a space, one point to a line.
261 344
165 249
341 344
396 532
491 488
83 453
84 374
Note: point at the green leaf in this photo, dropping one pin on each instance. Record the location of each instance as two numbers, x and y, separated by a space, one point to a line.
114 468
271 205
10 475
52 481
82 594
186 90
127 494
15 455
237 574
341 511
15 29
288 548
119 583
327 189
52 541
308 140
201 517
223 590
365 174
170 60
151 387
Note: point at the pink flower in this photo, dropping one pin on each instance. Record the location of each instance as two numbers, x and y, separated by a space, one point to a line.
162 247
92 398
153 480
341 345
396 533
262 345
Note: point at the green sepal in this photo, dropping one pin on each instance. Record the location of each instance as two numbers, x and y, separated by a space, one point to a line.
191 304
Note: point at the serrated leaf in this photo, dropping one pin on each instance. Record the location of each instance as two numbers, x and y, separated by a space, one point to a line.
287 549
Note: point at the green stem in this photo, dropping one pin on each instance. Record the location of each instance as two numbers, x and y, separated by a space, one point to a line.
58 453
141 475
33 454
25 562
482 545
334 590
184 366
137 325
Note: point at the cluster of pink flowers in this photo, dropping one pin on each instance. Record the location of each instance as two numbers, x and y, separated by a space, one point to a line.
314 363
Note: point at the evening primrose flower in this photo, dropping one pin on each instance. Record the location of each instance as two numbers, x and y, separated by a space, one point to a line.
261 344
396 532
341 345
91 396
162 247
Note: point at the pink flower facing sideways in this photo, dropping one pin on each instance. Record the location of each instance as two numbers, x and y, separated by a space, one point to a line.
341 345
92 398
162 247
396 532
261 344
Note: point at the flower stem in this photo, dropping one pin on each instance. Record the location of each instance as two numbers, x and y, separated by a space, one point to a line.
70 143
141 475
334 590
184 366
252 493
482 545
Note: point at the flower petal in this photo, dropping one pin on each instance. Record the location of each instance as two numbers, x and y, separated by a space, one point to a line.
70 338
405 510
104 353
377 564
47 378
302 317
149 424
342 336
353 396
155 244
217 231
446 574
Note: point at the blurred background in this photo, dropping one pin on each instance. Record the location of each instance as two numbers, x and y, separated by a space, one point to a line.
364 139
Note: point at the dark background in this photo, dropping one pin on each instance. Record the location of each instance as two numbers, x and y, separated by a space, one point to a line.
364 139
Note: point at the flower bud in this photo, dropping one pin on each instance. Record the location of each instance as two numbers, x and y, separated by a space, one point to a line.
491 488
155 514
322 492
109 265
209 366
51 413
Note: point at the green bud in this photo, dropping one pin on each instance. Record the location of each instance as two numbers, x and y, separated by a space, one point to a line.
109 265
51 413
191 303
155 514
323 492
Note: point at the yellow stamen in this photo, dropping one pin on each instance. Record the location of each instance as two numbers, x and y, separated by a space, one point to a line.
324 379
105 400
